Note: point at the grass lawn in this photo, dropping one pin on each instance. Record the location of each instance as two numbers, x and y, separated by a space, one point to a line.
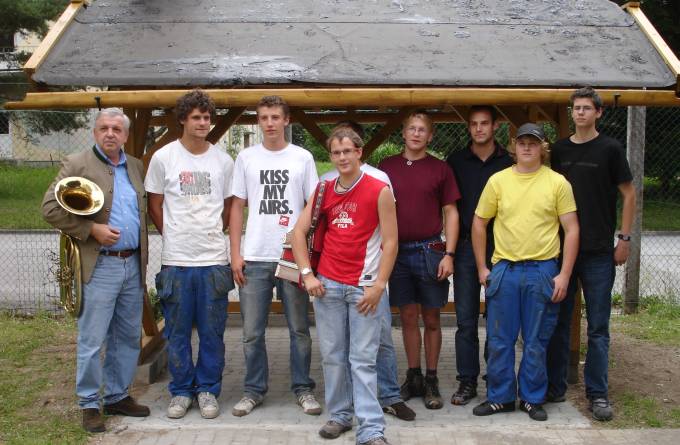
37 365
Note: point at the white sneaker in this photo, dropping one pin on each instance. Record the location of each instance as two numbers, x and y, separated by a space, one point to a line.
244 406
208 405
309 404
178 406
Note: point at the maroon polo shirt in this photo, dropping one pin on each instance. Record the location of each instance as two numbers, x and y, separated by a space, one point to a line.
421 189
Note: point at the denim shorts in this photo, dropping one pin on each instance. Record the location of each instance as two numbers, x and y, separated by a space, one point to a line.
414 277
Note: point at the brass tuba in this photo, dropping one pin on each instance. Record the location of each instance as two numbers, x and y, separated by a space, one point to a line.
83 197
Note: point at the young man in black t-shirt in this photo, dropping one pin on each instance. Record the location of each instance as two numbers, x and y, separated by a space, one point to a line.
597 168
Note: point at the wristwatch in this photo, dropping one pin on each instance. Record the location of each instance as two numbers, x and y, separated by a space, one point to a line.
451 254
305 271
623 237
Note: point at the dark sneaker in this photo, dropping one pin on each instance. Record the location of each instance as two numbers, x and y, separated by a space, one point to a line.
553 397
333 429
400 410
466 392
535 410
413 386
432 398
488 408
127 407
602 409
93 422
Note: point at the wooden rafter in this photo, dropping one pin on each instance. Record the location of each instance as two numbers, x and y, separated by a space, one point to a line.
389 128
140 131
223 123
308 124
515 115
344 97
656 40
174 131
52 37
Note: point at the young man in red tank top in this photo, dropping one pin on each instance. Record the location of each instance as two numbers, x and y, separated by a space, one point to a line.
360 246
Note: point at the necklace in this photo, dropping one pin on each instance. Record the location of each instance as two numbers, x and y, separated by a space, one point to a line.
409 162
350 186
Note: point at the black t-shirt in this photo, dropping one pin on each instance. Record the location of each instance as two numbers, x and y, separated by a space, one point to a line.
594 169
472 175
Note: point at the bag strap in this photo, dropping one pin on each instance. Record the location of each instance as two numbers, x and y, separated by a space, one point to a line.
316 210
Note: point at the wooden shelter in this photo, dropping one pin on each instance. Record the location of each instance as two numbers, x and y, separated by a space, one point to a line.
331 60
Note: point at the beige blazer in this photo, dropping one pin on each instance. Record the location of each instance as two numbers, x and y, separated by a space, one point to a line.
88 164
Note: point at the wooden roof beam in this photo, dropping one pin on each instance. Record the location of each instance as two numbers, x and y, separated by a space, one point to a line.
223 123
656 40
308 124
52 37
515 115
344 97
385 132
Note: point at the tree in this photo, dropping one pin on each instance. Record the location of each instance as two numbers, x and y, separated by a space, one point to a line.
29 15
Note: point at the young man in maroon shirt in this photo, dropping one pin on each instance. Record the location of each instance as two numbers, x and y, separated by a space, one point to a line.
423 186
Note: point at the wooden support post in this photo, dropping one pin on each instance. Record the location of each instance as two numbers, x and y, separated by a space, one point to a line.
174 132
515 115
141 129
131 113
389 128
308 124
636 157
223 123
575 325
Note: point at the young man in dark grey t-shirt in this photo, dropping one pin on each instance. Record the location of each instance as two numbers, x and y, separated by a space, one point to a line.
597 169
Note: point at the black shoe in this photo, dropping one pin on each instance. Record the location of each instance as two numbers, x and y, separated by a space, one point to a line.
127 407
487 408
466 392
432 397
552 397
400 410
601 409
413 386
535 410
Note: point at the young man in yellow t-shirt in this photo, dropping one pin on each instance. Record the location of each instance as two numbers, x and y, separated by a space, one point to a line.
523 290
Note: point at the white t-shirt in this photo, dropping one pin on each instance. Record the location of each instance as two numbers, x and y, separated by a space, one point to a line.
276 185
366 168
194 188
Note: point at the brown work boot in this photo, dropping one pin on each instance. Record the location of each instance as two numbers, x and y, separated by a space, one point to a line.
127 407
93 422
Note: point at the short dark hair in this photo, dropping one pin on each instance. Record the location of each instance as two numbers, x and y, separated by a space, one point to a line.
274 101
196 98
355 126
488 108
342 133
587 92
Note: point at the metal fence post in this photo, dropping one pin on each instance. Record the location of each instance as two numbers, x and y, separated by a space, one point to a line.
636 157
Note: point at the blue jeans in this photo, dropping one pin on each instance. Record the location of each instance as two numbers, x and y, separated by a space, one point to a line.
596 273
349 343
466 290
188 296
112 316
414 276
518 297
256 298
386 362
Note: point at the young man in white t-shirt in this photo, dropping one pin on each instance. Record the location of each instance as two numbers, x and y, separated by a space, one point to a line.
273 179
189 188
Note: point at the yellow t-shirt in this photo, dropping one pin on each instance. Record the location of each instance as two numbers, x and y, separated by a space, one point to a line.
527 207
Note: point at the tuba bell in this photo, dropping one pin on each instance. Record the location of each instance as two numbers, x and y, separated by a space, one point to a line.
82 197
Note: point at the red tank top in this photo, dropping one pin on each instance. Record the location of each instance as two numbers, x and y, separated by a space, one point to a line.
352 244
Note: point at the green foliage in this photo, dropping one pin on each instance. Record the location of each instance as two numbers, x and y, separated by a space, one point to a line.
46 122
383 151
29 15
21 193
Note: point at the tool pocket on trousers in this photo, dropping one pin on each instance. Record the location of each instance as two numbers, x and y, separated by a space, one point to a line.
493 281
164 284
223 281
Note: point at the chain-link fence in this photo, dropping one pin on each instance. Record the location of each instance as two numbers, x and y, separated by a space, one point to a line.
27 258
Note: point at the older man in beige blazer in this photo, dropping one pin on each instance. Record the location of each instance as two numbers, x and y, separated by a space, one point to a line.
113 246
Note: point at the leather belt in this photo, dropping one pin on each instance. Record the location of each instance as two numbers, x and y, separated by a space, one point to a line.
118 253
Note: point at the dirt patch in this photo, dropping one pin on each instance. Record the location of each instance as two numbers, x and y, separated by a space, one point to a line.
637 368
